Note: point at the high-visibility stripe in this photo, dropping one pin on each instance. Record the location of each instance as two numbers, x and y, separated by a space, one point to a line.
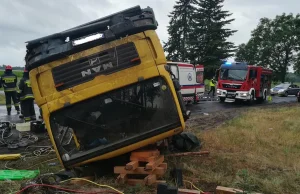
8 77
10 89
17 104
8 106
27 96
27 118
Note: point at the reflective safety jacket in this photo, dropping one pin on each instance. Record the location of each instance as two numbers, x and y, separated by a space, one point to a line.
9 82
25 89
212 83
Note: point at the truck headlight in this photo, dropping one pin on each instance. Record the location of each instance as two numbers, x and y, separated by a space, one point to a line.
218 92
244 94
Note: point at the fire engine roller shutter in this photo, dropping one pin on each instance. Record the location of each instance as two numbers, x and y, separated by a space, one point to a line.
102 63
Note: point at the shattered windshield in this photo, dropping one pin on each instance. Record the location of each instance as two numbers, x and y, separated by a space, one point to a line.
234 74
113 118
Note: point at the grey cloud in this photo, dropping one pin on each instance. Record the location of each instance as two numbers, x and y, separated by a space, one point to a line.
23 20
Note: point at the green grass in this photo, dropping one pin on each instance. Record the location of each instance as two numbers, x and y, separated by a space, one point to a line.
258 151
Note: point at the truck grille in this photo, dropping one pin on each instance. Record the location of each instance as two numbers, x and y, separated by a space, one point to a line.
232 86
102 63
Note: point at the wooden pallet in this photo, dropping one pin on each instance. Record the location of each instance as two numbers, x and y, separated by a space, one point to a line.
149 164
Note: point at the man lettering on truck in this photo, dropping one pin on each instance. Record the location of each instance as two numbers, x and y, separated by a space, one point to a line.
212 84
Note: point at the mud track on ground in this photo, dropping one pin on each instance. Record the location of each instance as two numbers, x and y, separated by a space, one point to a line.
206 121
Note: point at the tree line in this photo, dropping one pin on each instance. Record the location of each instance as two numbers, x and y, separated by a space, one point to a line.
2 67
198 33
274 43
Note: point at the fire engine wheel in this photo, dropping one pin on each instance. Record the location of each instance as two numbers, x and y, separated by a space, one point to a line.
222 99
251 101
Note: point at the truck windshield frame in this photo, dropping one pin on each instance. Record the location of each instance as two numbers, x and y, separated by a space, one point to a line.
233 74
113 120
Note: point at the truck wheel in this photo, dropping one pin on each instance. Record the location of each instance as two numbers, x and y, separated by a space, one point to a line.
222 99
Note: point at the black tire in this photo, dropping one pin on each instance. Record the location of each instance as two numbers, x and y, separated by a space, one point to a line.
286 94
251 101
222 99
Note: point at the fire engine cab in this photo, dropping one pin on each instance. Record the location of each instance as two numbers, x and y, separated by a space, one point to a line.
190 78
240 81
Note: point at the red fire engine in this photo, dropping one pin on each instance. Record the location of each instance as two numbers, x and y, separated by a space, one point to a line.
240 81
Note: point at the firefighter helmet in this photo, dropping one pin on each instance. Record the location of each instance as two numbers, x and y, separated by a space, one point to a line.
8 67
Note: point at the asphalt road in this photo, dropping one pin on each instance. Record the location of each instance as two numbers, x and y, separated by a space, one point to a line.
214 106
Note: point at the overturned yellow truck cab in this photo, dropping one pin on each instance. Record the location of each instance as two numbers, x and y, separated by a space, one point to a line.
104 87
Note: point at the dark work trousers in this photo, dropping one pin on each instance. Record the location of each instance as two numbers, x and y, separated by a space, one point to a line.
11 96
22 108
213 90
28 109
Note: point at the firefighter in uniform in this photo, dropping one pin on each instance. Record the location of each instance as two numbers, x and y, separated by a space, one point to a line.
27 98
9 83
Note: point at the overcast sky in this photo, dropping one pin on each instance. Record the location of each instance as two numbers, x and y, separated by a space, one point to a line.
23 20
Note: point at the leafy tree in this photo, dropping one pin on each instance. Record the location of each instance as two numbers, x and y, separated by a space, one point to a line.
179 30
275 44
209 37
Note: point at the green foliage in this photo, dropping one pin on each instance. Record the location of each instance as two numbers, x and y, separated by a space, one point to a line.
209 37
197 33
274 44
179 30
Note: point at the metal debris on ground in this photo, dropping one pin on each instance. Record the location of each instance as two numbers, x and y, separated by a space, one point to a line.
14 139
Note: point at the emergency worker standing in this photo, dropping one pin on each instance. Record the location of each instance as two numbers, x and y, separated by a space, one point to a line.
27 98
212 84
9 83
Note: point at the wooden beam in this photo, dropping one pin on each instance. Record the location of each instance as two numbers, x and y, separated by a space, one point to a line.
227 190
156 163
146 153
122 178
188 191
139 170
191 153
132 165
143 159
150 179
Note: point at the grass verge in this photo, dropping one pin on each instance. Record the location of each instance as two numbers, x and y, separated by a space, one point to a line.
258 151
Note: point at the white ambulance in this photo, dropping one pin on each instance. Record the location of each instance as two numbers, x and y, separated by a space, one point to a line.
191 80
